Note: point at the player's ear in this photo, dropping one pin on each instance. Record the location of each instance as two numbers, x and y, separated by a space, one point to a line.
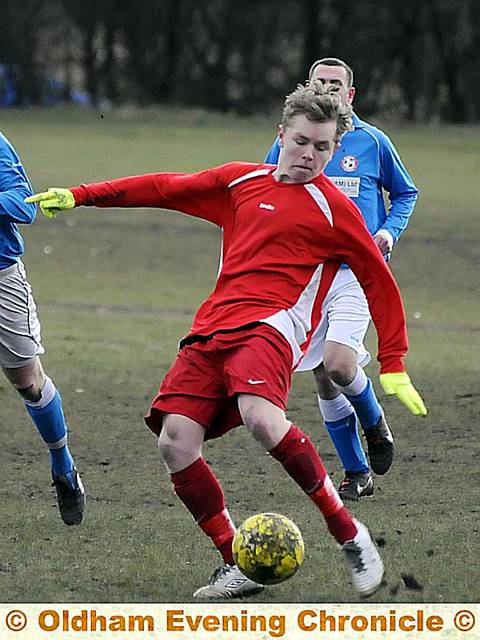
281 135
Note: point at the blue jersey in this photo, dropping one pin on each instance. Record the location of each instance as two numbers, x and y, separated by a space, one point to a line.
14 187
366 164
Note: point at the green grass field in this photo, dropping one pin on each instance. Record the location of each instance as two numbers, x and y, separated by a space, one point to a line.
116 290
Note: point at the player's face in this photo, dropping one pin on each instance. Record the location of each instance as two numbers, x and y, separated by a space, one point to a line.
306 147
336 81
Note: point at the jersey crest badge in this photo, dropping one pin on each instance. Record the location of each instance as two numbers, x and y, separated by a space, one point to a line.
349 163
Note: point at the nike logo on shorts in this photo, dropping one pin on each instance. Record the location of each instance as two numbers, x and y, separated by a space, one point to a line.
250 381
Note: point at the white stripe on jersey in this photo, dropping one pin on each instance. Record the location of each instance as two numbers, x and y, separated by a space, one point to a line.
220 260
250 174
295 323
320 199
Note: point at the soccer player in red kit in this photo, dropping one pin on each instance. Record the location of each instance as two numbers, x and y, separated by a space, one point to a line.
286 231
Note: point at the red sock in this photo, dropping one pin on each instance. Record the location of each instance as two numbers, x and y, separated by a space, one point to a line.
199 490
339 521
302 463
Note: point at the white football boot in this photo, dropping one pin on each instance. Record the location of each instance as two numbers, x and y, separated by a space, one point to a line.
363 561
228 582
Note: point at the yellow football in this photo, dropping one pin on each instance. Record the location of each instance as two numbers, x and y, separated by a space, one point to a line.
268 548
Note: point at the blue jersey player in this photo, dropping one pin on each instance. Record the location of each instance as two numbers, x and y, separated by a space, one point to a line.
364 166
20 342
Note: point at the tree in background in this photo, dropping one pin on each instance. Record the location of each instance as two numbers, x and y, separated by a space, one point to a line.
412 61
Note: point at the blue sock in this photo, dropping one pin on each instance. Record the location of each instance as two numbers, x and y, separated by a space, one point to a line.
366 406
340 420
47 414
344 435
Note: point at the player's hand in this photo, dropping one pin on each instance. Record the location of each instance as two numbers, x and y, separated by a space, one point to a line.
384 241
399 384
53 200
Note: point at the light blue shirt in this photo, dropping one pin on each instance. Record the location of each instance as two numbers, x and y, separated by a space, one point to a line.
14 187
366 164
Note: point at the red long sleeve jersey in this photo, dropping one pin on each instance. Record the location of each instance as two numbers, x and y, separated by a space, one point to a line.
282 245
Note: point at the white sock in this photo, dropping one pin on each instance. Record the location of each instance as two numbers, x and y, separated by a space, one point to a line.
336 409
48 393
357 385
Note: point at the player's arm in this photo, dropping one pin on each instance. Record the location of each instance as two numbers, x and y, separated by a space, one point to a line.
14 188
386 307
399 185
204 194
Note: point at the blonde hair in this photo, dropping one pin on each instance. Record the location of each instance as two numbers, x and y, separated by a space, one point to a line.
317 104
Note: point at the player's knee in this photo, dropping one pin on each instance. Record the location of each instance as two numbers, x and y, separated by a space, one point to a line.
340 369
168 446
254 421
32 393
173 446
262 426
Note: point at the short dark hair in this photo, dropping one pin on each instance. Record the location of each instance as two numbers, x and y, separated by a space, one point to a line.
317 104
333 62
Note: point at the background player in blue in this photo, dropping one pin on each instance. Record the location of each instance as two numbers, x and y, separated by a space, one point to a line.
364 166
20 343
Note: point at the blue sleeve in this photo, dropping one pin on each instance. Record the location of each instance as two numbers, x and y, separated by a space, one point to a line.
14 186
402 192
272 155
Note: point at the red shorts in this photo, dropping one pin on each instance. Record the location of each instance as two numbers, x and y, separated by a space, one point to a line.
207 376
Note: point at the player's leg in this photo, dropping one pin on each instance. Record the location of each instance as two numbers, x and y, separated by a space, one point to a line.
20 346
266 356
341 305
341 422
294 450
343 356
340 363
180 444
44 405
190 397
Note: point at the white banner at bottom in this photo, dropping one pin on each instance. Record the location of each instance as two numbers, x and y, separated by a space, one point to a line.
246 621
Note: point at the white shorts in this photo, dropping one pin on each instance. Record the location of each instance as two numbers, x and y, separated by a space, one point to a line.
20 340
345 319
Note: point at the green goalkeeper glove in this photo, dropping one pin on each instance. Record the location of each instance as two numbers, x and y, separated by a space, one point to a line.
53 200
398 384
